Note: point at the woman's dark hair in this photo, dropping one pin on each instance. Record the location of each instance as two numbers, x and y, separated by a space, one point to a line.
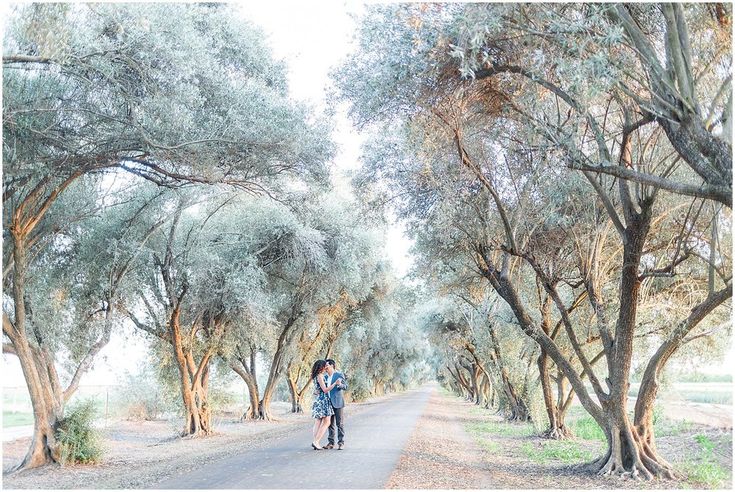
317 368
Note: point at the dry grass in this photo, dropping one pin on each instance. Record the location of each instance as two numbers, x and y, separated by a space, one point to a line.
512 456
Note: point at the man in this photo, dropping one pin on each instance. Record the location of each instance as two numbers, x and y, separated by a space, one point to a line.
336 426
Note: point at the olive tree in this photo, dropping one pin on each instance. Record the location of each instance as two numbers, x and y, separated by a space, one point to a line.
509 128
99 89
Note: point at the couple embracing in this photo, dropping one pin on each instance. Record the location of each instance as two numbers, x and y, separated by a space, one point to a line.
329 403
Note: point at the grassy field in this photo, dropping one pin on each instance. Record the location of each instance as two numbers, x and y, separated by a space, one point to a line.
17 404
719 393
15 419
701 456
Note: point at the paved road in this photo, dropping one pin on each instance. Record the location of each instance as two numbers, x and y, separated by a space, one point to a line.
374 442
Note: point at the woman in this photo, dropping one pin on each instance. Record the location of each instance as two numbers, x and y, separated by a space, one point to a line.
321 409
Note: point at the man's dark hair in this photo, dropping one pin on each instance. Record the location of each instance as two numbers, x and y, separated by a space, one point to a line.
330 362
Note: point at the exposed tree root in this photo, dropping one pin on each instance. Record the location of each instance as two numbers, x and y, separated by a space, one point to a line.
631 457
557 433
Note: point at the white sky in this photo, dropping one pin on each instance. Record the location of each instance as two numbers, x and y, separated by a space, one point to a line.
312 38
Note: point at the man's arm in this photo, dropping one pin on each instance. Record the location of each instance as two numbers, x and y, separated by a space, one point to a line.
344 386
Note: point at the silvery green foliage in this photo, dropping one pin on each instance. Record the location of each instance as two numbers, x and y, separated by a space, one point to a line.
383 348
578 67
258 265
163 90
93 240
583 47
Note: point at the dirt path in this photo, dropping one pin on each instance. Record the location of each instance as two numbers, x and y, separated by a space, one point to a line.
440 454
458 445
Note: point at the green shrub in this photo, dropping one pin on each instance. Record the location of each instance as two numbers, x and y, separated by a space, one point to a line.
144 397
79 441
360 387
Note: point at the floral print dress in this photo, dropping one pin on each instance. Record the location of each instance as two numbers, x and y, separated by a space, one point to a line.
321 407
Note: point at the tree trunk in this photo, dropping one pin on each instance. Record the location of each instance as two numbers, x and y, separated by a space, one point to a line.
191 381
247 373
47 407
284 339
630 452
476 375
643 417
517 409
485 388
465 382
378 388
38 364
557 428
296 401
47 411
264 406
252 411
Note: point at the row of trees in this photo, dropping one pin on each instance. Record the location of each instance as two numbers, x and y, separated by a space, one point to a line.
566 173
157 174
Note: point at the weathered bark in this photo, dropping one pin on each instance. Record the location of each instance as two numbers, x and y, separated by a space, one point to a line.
247 373
378 387
627 453
297 403
466 383
556 413
252 411
278 363
517 408
554 407
486 389
37 361
488 381
477 384
192 380
643 417
459 383
472 371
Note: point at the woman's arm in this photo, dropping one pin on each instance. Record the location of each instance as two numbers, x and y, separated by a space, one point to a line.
324 386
